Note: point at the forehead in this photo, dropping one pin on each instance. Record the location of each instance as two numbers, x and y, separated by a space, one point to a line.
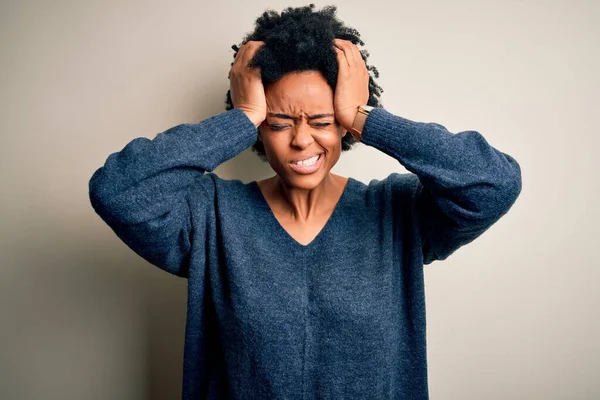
305 91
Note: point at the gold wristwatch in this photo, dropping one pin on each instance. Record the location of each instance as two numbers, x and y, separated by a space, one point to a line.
359 121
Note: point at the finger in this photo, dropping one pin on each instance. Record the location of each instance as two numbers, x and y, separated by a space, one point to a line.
341 59
242 54
360 63
237 58
357 56
345 45
252 47
236 61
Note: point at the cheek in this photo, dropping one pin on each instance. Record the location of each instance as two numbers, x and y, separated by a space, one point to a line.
276 146
333 138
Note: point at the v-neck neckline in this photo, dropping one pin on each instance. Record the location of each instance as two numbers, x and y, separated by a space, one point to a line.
284 233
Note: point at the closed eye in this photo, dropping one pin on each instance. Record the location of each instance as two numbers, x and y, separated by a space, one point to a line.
281 127
277 127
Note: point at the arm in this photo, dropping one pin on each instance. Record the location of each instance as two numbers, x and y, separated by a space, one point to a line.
465 185
144 192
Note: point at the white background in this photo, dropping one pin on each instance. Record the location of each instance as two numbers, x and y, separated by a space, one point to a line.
513 315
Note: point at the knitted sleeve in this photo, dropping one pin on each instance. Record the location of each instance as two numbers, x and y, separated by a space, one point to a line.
464 184
144 191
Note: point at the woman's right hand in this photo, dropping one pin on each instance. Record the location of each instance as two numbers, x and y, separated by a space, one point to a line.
245 84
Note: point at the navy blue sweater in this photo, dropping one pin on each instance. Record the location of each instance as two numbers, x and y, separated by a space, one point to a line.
269 318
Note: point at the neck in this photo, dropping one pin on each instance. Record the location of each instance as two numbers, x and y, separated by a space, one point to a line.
303 204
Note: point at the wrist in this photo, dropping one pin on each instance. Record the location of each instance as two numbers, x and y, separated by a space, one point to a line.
254 118
360 119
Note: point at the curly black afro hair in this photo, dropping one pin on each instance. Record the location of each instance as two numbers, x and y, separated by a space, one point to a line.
300 39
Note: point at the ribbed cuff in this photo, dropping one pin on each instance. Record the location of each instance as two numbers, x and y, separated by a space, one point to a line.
388 132
232 132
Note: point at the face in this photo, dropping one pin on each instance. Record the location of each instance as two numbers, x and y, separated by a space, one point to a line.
300 123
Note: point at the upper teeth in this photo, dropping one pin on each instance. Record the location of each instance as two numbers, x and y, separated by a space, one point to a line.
308 161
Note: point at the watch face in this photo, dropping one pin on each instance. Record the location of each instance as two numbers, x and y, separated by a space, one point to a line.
368 108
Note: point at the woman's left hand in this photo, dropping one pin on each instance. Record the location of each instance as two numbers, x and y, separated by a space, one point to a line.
352 89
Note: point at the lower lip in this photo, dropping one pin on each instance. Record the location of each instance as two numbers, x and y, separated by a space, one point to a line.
307 169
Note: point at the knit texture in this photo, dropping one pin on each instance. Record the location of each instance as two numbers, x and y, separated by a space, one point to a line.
269 318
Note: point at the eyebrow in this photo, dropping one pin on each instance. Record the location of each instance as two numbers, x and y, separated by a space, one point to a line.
310 117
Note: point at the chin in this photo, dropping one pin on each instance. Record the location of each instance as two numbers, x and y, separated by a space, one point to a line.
306 182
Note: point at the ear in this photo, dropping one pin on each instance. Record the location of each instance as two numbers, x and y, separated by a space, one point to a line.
342 130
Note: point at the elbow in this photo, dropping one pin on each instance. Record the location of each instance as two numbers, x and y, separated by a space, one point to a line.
96 187
97 193
482 203
506 190
495 196
512 183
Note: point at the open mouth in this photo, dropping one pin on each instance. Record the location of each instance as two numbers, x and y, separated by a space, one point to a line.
307 166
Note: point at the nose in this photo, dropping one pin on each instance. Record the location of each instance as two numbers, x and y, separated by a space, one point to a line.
302 135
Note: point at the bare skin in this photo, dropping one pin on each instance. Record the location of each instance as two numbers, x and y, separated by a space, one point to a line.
300 116
304 230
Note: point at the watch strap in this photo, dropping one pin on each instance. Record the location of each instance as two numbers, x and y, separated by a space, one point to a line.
359 121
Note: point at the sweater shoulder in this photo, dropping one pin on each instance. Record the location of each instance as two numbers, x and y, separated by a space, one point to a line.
393 195
396 196
224 185
233 194
395 186
211 192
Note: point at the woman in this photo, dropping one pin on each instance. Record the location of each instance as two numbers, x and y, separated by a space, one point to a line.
307 284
